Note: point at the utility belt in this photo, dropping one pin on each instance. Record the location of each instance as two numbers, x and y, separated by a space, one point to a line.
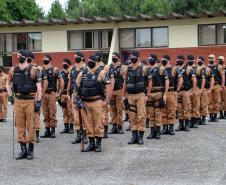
217 83
64 91
161 89
25 97
92 99
135 92
117 88
49 91
2 90
184 89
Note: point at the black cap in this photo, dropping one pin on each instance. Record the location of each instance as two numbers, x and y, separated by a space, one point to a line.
66 60
48 56
166 57
93 58
24 53
2 68
116 53
190 57
181 57
99 54
31 55
135 53
79 53
201 58
152 55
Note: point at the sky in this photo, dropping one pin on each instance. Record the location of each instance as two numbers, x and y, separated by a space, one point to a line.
46 4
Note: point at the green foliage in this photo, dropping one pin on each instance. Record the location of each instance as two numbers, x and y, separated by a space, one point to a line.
56 11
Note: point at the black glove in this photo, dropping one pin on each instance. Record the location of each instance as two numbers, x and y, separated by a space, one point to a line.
59 102
11 99
37 106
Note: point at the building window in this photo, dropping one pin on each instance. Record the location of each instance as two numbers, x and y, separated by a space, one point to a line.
105 38
127 38
75 40
143 37
91 39
221 34
207 34
34 41
19 41
160 37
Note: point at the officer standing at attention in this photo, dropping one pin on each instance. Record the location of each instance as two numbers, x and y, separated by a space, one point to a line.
215 94
64 101
26 81
91 82
3 95
134 88
54 89
79 65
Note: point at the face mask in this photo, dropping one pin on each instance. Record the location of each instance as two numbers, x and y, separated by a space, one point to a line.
65 66
46 62
190 63
200 63
211 61
221 62
134 60
78 59
29 60
164 62
91 64
180 62
22 60
152 61
114 60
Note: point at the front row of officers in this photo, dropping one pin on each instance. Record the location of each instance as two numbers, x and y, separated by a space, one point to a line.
154 92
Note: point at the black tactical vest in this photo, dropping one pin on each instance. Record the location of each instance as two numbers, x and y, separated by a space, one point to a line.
90 86
117 76
225 76
217 76
135 81
157 78
73 75
22 81
65 78
199 78
52 80
172 80
186 77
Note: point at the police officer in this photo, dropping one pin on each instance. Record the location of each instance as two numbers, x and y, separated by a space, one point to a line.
44 83
3 95
195 97
54 89
209 83
159 83
134 87
175 84
223 92
183 97
116 100
65 101
91 84
214 95
26 81
79 65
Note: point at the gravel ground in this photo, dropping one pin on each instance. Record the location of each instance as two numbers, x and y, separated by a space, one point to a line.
193 158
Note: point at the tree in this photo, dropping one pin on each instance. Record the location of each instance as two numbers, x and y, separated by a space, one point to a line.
152 7
74 9
4 13
56 10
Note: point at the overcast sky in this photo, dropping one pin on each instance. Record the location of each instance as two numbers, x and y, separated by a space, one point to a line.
46 4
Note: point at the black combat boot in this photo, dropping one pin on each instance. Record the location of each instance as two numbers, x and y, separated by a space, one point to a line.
30 151
147 123
91 146
37 136
140 137
152 133
47 133
211 118
203 120
134 139
221 116
158 133
181 125
84 137
187 125
192 122
78 138
195 122
66 129
71 129
105 132
120 129
126 117
114 129
171 130
215 118
129 128
52 133
23 153
165 130
98 144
